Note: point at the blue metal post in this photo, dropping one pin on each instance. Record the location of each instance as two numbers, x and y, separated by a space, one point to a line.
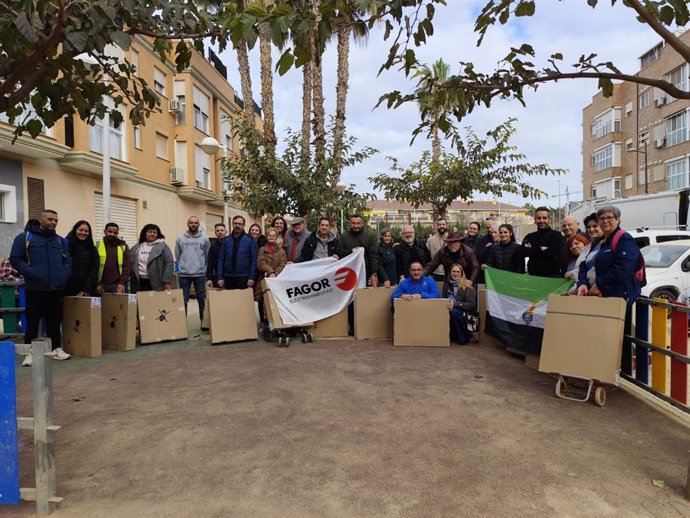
9 459
22 304
642 353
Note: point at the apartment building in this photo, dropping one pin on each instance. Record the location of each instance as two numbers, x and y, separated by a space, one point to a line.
159 172
637 140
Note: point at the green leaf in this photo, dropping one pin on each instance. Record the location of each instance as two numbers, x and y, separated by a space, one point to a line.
285 62
122 40
525 9
25 28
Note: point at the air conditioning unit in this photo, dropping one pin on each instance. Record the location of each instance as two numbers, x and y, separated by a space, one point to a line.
226 186
659 142
174 107
660 101
176 175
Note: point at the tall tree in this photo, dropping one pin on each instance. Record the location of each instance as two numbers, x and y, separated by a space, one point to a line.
266 60
431 106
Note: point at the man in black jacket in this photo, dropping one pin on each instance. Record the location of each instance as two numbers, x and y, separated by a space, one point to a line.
212 262
545 247
409 250
319 244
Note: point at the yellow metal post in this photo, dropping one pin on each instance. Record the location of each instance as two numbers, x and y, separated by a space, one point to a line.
660 339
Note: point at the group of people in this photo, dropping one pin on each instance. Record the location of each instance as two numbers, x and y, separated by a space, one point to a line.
602 261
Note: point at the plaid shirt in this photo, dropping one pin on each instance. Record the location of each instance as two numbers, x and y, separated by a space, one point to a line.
7 273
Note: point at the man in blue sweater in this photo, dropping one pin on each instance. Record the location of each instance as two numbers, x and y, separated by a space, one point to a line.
416 286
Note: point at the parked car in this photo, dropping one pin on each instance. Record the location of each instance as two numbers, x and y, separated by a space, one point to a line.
668 269
644 237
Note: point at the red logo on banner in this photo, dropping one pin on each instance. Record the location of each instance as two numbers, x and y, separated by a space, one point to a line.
345 279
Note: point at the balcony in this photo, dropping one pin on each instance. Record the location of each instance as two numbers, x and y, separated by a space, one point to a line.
25 146
197 194
91 164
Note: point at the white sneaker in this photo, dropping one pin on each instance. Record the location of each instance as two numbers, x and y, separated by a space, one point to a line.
60 354
28 360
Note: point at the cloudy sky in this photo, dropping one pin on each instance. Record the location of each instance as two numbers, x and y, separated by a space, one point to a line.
549 129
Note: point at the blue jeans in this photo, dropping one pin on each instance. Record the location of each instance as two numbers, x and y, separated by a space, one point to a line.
199 288
458 326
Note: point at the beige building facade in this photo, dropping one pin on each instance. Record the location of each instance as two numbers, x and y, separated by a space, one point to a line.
637 140
159 173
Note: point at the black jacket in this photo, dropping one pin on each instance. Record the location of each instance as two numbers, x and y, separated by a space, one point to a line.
506 257
406 254
310 246
212 261
548 262
84 275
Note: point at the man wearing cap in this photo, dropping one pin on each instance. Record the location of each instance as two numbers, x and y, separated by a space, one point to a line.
455 253
295 238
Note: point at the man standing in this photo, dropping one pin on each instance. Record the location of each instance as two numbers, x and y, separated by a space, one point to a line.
42 258
435 243
455 253
417 285
409 250
237 260
213 253
356 237
545 247
295 239
114 261
191 252
319 244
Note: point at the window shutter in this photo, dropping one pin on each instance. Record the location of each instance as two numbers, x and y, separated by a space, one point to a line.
36 196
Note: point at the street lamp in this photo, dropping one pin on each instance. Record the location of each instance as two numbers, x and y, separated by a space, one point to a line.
211 146
644 152
341 187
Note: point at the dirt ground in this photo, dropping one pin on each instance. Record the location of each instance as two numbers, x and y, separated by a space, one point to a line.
346 428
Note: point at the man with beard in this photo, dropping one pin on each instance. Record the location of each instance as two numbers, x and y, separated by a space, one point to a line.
409 250
435 243
115 261
221 233
545 247
191 252
455 253
237 260
320 244
356 237
42 258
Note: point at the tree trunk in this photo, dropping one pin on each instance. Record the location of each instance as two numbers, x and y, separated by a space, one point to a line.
341 100
245 80
267 84
435 146
306 113
317 86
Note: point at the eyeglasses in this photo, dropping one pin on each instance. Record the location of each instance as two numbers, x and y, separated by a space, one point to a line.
607 218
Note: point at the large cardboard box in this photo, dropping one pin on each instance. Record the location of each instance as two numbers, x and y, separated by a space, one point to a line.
161 316
232 315
421 322
373 315
206 322
481 305
331 327
583 337
119 321
272 312
81 326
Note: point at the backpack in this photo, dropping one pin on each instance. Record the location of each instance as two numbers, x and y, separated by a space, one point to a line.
641 269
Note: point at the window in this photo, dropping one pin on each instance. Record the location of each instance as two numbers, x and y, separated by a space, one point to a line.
179 96
202 168
607 156
8 204
606 123
594 191
651 56
628 181
629 146
134 59
676 129
116 139
201 110
226 130
28 114
679 77
628 109
644 138
137 137
161 146
159 81
677 174
644 99
617 188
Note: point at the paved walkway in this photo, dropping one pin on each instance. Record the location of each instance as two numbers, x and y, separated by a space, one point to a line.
346 428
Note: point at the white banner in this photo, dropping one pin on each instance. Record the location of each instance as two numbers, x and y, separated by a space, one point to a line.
311 291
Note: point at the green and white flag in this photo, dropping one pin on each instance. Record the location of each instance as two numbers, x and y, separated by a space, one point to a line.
516 306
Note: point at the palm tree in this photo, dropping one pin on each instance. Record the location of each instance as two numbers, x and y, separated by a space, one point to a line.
267 81
431 105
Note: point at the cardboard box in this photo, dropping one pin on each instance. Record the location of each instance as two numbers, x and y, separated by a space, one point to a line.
81 326
583 337
272 312
373 315
206 322
481 305
232 315
331 327
161 316
119 321
421 322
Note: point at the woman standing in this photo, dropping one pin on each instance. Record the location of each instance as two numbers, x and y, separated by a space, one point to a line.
586 267
270 261
506 254
255 234
461 299
387 261
84 277
281 227
152 261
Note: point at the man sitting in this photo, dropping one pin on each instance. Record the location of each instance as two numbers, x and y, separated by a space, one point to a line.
416 286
